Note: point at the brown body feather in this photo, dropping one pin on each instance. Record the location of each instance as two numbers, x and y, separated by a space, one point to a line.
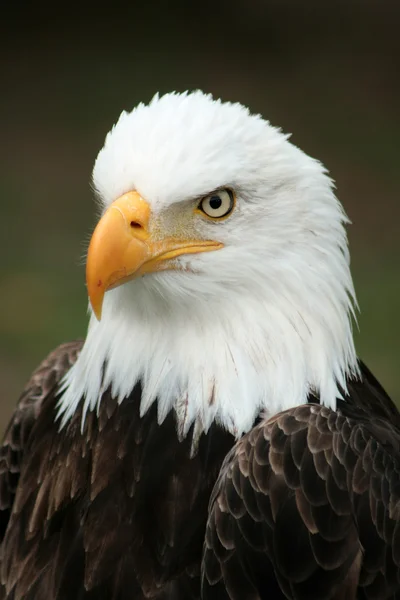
305 506
115 512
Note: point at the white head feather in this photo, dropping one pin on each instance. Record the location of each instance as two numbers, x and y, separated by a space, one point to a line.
255 326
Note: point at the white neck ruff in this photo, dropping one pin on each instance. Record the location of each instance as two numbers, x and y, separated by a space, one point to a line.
224 361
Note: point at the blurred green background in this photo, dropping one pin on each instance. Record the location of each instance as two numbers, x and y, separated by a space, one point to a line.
329 72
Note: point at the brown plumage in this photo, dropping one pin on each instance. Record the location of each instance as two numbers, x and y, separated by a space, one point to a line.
116 512
306 505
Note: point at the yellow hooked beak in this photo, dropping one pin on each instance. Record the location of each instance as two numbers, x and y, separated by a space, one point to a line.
123 248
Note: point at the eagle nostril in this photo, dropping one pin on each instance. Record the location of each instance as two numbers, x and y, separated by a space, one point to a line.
135 225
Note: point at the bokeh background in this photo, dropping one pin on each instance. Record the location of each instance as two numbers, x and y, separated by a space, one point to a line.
329 72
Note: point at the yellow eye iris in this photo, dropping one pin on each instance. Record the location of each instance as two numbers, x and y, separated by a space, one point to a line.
217 205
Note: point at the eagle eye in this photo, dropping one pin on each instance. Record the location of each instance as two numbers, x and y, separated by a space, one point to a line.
217 205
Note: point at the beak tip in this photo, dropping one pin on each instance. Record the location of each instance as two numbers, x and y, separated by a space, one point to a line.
97 307
96 302
97 313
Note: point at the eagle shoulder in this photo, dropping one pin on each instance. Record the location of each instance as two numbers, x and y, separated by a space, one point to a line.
41 387
306 503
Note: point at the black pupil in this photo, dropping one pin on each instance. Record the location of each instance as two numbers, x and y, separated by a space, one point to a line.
215 202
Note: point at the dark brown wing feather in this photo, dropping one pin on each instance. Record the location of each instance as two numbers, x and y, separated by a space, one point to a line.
307 505
119 510
41 386
116 511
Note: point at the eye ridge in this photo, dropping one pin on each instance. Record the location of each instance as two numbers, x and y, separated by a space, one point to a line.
221 201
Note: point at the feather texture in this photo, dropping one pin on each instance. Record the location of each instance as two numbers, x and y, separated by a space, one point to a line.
116 510
307 505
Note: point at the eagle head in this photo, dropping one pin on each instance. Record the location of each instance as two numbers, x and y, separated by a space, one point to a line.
218 274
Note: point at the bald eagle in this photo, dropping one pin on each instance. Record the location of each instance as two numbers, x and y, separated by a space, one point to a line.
215 436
